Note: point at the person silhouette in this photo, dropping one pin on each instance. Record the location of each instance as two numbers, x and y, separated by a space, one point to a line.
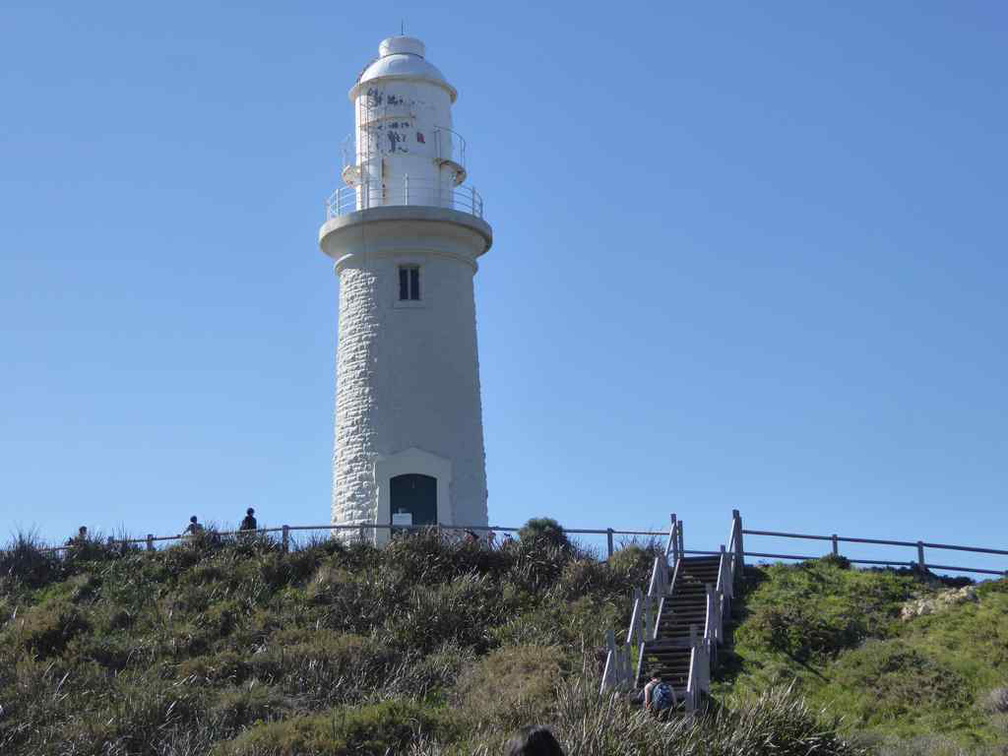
194 527
80 539
534 741
249 523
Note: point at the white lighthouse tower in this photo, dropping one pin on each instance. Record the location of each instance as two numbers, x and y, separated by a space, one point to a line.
405 233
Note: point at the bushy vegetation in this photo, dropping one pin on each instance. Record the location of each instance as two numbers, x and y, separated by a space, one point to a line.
239 649
921 684
544 529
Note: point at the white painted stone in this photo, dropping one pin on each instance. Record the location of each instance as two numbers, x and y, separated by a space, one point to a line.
408 392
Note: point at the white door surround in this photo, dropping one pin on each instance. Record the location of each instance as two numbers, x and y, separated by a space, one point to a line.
411 460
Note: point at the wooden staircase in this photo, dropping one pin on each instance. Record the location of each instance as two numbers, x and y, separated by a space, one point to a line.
676 627
668 655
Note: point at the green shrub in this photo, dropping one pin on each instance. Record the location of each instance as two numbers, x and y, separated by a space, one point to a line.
247 704
816 609
922 745
22 561
226 666
368 730
633 564
544 529
459 612
836 560
425 557
509 683
332 668
47 628
356 601
576 624
537 566
895 681
586 577
418 675
802 632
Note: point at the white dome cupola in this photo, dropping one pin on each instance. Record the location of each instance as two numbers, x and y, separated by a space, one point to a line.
403 150
402 58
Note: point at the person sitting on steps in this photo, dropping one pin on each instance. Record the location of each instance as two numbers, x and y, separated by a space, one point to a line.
658 696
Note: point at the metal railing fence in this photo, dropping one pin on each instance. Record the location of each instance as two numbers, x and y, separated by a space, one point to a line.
675 542
921 564
360 531
405 191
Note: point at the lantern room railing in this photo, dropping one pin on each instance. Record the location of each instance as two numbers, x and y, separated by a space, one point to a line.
404 191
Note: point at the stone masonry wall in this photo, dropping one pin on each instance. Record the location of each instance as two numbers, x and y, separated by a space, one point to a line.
408 377
353 456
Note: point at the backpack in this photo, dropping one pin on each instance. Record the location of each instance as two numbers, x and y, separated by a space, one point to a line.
662 697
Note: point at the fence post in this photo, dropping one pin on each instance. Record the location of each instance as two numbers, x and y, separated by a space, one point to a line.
150 542
836 545
609 543
286 538
921 566
739 550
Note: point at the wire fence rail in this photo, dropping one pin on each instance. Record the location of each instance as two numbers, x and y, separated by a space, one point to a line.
368 531
360 531
921 564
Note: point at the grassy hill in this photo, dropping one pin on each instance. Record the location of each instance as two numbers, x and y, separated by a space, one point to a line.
857 643
424 647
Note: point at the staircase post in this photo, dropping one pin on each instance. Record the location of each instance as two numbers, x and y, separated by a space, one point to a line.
636 628
671 545
727 576
711 619
739 549
610 662
694 668
627 675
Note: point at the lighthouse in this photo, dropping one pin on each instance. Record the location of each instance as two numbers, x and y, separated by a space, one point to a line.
405 231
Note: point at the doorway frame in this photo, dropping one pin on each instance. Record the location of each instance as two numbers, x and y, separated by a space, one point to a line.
410 460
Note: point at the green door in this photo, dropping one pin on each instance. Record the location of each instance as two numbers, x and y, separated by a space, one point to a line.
416 494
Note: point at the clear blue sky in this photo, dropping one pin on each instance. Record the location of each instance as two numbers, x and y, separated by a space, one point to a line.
746 255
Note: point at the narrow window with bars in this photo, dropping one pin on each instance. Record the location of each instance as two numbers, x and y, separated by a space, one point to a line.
409 283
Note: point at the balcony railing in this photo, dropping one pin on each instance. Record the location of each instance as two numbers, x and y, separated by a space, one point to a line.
405 191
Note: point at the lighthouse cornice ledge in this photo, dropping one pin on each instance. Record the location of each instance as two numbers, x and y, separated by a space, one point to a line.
391 228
